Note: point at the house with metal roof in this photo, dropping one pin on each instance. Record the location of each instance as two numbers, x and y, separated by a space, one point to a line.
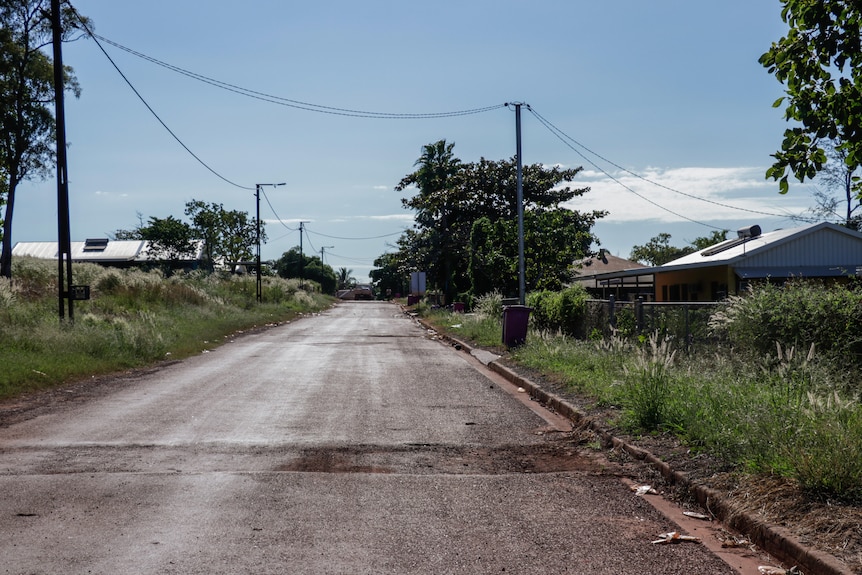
823 251
115 253
592 274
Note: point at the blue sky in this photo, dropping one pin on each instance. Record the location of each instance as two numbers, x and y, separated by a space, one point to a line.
669 90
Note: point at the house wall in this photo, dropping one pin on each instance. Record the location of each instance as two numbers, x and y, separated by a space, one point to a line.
698 284
825 248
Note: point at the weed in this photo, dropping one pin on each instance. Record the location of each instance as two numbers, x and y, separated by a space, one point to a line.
648 384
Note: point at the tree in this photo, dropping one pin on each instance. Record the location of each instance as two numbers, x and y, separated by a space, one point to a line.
820 63
658 251
434 205
293 264
344 279
389 275
454 196
27 136
836 199
716 237
170 240
229 235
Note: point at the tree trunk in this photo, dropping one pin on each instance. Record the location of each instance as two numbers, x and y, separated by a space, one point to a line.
6 255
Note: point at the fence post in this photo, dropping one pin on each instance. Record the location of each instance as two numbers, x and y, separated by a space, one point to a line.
639 314
688 337
612 315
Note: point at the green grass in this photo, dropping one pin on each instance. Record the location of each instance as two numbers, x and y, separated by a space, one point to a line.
132 319
784 413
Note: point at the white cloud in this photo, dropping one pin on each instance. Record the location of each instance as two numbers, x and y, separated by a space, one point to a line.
696 193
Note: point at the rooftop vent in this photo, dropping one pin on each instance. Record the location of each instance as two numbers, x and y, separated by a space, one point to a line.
95 244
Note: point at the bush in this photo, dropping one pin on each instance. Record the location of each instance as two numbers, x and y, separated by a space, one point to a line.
490 305
798 314
563 311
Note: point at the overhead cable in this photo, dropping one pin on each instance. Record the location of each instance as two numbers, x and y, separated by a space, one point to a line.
298 104
554 131
153 112
365 238
565 138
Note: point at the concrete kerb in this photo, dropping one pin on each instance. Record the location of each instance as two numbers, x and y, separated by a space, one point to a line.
775 540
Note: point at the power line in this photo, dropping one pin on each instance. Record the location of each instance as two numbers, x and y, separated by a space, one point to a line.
563 137
277 217
347 238
554 131
354 260
153 112
298 104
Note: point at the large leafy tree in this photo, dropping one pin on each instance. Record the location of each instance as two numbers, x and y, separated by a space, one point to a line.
453 196
294 264
170 240
27 138
820 63
436 207
229 235
389 275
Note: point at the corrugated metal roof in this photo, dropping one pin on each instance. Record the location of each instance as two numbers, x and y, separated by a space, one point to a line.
114 251
589 267
816 250
820 245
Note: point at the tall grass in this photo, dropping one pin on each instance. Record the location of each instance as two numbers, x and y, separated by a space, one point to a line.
786 409
133 318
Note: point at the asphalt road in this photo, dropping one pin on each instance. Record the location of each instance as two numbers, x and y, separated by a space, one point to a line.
348 442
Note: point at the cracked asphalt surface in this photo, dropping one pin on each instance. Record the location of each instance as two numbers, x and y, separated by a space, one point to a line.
347 442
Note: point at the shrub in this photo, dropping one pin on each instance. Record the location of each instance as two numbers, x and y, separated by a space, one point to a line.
798 314
490 305
563 311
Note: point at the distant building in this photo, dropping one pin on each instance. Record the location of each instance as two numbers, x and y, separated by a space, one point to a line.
114 253
592 274
817 251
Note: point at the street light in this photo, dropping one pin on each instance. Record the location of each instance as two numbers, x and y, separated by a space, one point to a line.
257 188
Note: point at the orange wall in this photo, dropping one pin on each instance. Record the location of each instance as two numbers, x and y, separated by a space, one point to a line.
699 284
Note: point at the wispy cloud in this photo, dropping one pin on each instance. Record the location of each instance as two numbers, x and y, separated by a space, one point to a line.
108 195
405 217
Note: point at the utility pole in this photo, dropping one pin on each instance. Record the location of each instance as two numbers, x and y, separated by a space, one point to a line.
322 250
257 188
521 271
64 241
301 257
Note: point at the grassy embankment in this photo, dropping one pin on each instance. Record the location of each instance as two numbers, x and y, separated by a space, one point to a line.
133 318
775 403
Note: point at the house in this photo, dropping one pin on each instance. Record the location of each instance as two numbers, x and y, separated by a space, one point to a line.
823 251
114 253
591 274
